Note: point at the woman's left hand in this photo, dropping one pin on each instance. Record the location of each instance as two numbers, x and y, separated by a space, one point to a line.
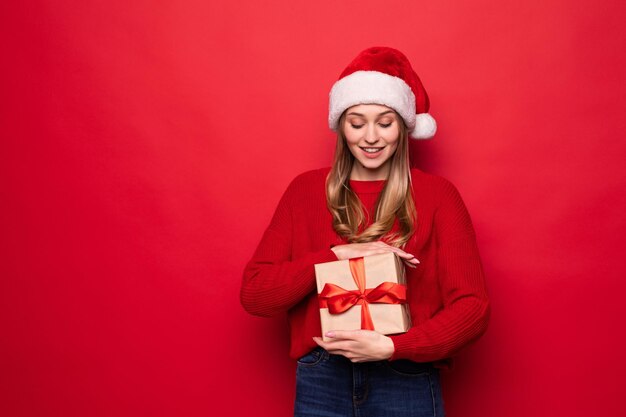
358 345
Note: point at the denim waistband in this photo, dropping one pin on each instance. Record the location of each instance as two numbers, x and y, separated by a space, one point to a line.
407 362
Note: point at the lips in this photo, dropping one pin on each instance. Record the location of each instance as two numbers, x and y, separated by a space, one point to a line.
372 152
372 149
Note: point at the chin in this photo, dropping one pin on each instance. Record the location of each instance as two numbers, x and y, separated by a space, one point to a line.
370 165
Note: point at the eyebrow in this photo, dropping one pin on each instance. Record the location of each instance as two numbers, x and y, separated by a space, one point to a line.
362 115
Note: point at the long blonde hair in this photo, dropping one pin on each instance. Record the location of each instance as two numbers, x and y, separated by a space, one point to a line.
395 200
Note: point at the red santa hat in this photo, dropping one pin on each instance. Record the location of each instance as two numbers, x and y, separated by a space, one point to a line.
382 75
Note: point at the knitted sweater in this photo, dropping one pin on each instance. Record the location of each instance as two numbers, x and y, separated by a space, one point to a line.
446 292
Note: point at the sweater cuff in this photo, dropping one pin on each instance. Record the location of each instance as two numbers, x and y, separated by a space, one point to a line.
328 255
321 256
401 346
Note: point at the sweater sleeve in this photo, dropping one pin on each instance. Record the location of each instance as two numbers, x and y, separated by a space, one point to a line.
273 281
466 309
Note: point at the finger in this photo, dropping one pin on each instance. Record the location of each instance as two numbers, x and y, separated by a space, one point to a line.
405 255
330 345
320 342
414 259
376 251
411 262
386 249
399 251
336 345
343 334
409 257
347 345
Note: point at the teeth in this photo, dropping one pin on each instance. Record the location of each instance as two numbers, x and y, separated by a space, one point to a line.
371 150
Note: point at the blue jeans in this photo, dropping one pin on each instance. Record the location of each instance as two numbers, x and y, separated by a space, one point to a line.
333 386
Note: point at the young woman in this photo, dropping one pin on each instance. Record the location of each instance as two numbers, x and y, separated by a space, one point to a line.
369 202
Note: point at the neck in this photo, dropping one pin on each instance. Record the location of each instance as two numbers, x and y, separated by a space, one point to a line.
361 173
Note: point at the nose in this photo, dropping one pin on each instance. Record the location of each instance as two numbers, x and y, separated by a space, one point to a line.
370 136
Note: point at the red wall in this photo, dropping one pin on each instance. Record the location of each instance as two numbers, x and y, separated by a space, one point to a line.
145 146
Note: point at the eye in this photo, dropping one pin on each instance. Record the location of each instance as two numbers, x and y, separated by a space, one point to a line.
385 125
356 126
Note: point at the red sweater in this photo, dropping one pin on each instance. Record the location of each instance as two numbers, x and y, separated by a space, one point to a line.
446 292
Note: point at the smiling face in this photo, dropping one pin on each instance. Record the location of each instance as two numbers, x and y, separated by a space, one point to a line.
372 134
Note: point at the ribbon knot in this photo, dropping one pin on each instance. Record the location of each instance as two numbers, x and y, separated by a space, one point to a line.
338 299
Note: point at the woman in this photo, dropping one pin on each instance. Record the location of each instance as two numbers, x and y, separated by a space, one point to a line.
369 202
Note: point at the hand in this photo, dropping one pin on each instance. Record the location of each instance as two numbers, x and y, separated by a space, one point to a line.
354 250
358 345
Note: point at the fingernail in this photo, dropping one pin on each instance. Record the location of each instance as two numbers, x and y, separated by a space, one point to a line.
330 334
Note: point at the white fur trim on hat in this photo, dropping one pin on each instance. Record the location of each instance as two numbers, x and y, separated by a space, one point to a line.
372 87
425 127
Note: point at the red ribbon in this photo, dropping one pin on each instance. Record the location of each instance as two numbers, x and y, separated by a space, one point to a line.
338 299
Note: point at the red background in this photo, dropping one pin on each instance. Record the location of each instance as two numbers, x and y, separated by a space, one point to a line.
145 146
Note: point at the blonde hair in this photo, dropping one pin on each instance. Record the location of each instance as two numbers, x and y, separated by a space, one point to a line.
395 200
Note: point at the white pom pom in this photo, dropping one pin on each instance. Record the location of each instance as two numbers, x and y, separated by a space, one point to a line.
425 127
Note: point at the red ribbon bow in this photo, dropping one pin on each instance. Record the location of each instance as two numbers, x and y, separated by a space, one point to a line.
338 299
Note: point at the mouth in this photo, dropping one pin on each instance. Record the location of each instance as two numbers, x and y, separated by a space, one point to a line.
371 151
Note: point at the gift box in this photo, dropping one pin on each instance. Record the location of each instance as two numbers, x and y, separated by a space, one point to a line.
368 292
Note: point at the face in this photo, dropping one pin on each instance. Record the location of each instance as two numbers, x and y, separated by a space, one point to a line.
372 133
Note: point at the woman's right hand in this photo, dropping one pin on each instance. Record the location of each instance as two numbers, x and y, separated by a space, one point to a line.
355 250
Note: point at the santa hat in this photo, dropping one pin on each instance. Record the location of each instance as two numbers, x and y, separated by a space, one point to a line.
382 75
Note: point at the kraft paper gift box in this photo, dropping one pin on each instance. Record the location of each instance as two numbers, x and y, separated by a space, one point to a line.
368 292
